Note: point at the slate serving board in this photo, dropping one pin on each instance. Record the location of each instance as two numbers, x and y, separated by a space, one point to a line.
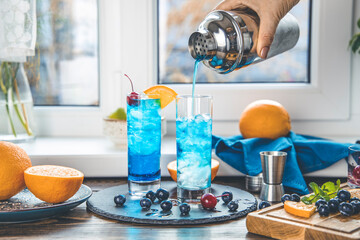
102 203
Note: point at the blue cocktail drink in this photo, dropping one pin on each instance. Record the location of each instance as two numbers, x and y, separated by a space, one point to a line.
193 140
144 142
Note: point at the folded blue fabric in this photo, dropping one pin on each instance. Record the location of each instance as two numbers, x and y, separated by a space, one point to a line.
305 154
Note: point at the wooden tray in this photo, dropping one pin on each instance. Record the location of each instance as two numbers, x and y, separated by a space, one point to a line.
275 222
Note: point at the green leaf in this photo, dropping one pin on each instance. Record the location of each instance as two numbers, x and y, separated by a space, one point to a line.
356 45
328 187
338 182
358 23
316 189
306 200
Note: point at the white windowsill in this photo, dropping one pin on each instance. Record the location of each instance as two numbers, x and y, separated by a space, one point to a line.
97 157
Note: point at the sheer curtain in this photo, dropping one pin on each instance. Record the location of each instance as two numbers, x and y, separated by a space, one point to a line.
17 29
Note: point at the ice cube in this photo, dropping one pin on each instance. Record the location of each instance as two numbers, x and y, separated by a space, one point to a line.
135 115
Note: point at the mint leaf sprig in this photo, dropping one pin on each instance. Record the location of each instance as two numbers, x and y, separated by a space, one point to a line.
327 191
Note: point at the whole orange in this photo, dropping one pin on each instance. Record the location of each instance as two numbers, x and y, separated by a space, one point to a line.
53 184
13 162
264 119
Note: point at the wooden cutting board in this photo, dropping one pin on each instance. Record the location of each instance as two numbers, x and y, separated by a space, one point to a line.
276 223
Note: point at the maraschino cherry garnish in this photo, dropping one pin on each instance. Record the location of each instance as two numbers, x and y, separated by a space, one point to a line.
133 95
209 200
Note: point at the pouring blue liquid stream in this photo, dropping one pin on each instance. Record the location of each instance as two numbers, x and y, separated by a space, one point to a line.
197 61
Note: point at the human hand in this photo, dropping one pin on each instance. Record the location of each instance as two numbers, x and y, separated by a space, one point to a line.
270 13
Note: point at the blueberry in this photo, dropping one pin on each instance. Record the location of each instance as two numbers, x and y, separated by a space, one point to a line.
227 198
166 205
119 200
145 203
320 202
324 210
338 199
356 206
346 209
264 204
344 195
285 197
354 199
232 205
295 197
150 195
162 194
184 208
334 205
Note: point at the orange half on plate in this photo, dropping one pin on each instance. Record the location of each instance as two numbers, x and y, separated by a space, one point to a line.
172 168
166 94
53 184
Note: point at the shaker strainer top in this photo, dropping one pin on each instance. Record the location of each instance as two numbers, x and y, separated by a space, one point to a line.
202 45
218 41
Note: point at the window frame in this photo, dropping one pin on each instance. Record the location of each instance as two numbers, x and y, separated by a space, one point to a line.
87 120
328 94
128 44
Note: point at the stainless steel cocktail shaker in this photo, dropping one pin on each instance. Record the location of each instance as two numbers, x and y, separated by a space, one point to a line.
226 41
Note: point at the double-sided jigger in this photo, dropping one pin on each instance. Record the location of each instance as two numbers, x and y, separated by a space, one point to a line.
273 168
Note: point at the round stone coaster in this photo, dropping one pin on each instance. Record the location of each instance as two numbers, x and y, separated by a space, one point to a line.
102 203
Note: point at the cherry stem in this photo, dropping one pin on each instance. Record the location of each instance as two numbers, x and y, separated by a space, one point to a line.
132 86
223 195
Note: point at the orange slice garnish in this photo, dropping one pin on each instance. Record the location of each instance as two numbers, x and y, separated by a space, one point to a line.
299 209
166 94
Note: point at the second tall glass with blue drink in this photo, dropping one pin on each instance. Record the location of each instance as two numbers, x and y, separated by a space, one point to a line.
193 141
144 142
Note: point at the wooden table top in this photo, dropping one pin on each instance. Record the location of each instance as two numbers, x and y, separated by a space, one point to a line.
80 223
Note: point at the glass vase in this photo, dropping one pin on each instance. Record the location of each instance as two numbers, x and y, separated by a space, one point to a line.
16 104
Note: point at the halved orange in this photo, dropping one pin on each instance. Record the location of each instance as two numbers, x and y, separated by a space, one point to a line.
172 168
299 209
53 184
166 94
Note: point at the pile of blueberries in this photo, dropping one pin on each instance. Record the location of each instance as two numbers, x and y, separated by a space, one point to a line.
342 203
160 196
208 201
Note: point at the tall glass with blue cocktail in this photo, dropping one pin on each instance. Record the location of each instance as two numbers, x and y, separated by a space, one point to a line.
193 141
144 142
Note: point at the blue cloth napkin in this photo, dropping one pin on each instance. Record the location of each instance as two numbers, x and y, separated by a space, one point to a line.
305 154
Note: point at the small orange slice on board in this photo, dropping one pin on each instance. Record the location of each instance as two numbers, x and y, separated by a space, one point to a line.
53 184
166 94
355 193
299 209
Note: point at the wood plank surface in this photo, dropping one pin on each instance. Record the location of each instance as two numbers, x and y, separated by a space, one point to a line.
82 224
277 223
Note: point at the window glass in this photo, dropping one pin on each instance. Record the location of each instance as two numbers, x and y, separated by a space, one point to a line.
65 68
178 19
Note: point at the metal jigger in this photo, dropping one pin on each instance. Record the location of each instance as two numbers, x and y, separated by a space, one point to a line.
273 168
